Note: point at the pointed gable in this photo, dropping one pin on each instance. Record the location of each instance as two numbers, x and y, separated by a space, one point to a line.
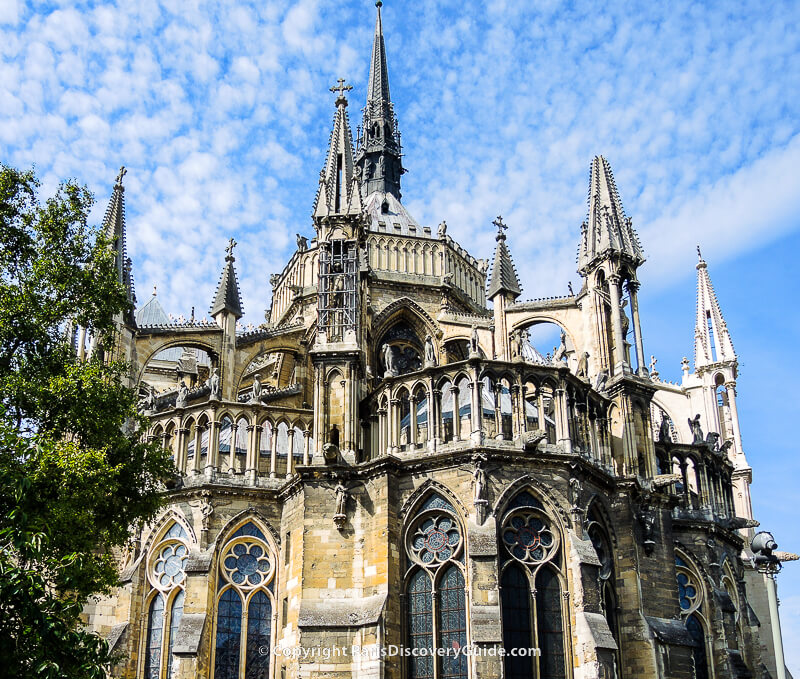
607 228
227 297
712 341
339 192
504 274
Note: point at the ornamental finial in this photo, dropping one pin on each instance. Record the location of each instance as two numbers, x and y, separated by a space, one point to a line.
122 172
231 244
341 88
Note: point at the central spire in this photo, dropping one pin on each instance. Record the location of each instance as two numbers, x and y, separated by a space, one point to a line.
378 149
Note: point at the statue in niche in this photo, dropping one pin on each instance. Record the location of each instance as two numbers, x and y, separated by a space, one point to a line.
664 430
626 323
474 345
389 361
183 393
560 353
430 353
582 370
696 429
255 393
381 167
214 384
517 344
442 230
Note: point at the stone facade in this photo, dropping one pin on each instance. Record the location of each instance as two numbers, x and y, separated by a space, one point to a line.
387 462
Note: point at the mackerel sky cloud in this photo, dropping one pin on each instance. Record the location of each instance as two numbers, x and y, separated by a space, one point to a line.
221 112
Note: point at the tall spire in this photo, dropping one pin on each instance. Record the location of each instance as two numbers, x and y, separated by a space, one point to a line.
227 297
504 274
379 153
712 341
338 192
114 230
607 229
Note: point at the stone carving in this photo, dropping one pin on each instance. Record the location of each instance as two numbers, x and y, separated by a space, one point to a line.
274 279
532 439
148 403
389 361
575 490
430 353
302 243
214 385
582 370
474 345
442 230
696 429
653 361
600 380
646 516
560 353
712 440
340 516
517 343
255 393
331 449
183 393
664 430
569 287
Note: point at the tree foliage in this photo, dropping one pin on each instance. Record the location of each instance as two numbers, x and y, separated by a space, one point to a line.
75 474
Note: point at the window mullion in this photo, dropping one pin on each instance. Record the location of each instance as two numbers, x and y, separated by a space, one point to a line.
534 626
243 637
435 626
167 622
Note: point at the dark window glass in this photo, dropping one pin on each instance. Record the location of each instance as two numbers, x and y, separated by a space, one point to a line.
420 625
550 625
452 623
259 616
699 650
249 529
174 623
516 603
229 636
155 629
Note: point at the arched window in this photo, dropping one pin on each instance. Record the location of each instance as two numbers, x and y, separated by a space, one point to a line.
692 603
421 407
436 613
405 419
598 533
241 436
465 406
166 566
265 440
447 412
245 610
531 562
225 431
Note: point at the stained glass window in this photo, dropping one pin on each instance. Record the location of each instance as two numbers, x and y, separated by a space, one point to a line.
436 501
174 623
527 536
229 635
550 625
249 529
259 617
690 598
516 605
152 658
175 531
452 623
695 628
420 624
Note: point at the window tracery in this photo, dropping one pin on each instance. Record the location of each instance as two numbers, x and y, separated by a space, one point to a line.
692 603
245 607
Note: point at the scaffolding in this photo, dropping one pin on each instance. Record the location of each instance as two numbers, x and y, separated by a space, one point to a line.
338 294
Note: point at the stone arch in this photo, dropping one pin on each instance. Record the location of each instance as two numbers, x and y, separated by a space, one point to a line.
210 346
553 500
162 524
243 517
427 488
415 314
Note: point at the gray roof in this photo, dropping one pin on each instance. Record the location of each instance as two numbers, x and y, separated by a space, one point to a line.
395 216
228 297
151 313
504 275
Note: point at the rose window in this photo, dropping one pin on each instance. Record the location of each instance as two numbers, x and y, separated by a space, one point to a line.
170 565
246 564
435 540
528 538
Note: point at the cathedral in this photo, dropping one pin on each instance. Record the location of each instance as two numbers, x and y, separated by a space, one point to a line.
388 478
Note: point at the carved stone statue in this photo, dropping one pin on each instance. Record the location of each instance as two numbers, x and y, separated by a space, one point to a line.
582 370
480 484
389 361
302 243
274 279
183 393
664 431
517 343
340 516
430 352
474 344
696 429
560 354
712 439
255 394
600 381
442 230
653 361
214 384
575 489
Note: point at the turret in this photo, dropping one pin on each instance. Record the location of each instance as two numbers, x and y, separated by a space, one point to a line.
504 288
226 310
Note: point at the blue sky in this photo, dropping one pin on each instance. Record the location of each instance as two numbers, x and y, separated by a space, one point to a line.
221 112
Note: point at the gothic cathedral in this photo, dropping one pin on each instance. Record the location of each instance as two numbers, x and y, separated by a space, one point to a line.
387 478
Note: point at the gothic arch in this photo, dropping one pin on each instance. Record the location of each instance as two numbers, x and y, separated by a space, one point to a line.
211 347
416 315
601 504
552 500
162 524
428 487
240 519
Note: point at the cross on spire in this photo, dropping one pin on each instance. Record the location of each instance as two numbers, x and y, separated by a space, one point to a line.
501 226
121 174
231 244
341 88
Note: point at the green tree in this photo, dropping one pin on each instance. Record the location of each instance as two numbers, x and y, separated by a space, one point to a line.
75 474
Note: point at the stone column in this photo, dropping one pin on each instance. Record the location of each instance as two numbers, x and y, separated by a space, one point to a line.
347 411
498 415
614 282
382 431
641 367
456 414
196 458
231 447
307 447
562 424
394 425
476 406
181 436
273 454
290 455
519 422
251 467
730 388
412 421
